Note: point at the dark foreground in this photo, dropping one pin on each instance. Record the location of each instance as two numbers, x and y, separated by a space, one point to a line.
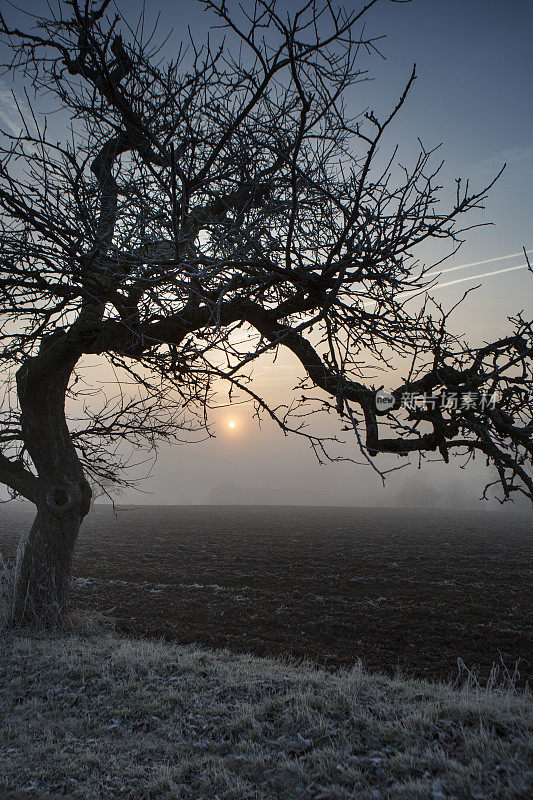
411 589
113 718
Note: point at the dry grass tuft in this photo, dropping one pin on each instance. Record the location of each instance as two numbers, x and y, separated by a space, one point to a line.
89 622
105 717
7 585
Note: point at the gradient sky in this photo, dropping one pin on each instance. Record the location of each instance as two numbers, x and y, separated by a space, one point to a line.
473 94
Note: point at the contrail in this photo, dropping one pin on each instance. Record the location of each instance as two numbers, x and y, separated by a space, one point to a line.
413 292
481 275
479 263
462 280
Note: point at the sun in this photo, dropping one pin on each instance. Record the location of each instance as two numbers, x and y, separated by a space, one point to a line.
232 425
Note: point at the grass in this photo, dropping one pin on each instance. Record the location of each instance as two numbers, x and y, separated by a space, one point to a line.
100 716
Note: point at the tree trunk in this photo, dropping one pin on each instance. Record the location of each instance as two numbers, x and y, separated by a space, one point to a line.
41 591
43 572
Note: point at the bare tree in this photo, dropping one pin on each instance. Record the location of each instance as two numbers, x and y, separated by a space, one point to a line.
198 213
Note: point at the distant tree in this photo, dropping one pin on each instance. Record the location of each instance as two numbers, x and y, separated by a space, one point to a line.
198 213
105 487
456 495
418 492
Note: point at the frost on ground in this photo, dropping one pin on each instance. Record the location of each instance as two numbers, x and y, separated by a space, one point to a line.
97 716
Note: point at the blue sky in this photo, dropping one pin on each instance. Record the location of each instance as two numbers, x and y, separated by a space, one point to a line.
472 94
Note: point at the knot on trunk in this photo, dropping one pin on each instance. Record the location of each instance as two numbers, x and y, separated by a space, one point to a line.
62 499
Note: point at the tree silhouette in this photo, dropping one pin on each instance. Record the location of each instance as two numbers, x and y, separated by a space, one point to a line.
200 212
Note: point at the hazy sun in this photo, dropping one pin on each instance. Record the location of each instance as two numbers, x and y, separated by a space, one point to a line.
232 424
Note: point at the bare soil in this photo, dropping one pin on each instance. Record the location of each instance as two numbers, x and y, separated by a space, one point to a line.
399 589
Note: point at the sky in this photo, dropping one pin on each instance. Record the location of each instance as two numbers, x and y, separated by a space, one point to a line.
473 95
